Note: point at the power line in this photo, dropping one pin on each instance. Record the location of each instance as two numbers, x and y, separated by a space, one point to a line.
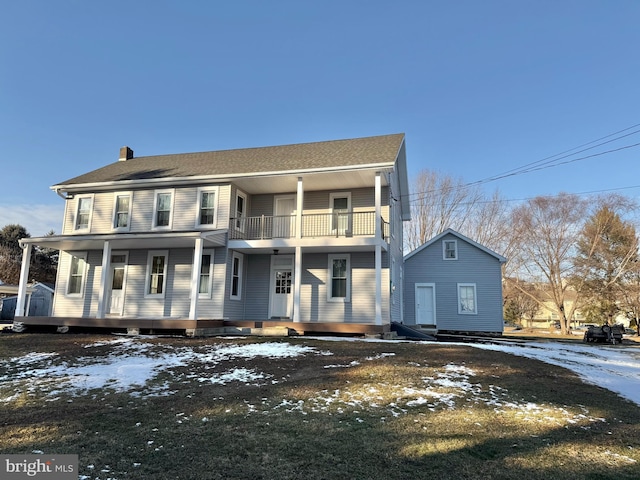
551 161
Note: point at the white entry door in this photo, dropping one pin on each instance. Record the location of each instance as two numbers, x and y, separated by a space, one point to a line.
284 219
281 284
116 288
425 304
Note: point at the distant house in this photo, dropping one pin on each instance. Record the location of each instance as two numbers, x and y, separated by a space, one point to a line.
453 284
307 237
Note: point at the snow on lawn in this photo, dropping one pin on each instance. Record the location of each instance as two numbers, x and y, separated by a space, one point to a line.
616 368
131 364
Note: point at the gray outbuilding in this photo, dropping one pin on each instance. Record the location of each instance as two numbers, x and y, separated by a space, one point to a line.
453 285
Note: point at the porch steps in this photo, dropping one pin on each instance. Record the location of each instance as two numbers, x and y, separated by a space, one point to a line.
275 331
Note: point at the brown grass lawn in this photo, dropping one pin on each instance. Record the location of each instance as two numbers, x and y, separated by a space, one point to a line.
345 410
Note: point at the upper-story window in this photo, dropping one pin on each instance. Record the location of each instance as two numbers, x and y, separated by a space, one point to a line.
122 211
206 214
83 213
163 209
450 250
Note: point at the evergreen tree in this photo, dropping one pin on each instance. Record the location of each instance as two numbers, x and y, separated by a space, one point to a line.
607 251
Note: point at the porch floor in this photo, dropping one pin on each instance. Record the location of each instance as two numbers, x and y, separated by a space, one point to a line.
211 326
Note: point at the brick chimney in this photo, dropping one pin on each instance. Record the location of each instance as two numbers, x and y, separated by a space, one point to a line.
125 154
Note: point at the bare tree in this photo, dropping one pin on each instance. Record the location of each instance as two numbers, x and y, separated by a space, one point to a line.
441 201
545 230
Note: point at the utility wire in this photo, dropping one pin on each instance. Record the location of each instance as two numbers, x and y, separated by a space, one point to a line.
549 162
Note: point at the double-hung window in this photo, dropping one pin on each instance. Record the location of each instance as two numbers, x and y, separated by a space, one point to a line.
163 209
339 273
206 274
467 302
449 250
77 267
122 211
83 213
206 214
157 263
236 275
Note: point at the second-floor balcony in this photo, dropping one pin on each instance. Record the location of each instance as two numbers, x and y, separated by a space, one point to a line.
337 224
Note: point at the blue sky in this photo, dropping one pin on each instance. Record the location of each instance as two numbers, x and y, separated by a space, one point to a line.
478 87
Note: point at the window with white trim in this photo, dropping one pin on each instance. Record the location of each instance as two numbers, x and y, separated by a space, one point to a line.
156 284
206 274
449 249
467 303
83 213
339 274
122 211
236 275
77 267
206 213
163 209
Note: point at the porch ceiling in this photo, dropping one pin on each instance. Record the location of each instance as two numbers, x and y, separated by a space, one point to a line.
129 241
335 180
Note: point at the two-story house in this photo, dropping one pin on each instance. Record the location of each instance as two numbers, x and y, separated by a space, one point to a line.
306 236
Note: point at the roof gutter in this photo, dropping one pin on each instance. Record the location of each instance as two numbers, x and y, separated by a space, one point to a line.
64 196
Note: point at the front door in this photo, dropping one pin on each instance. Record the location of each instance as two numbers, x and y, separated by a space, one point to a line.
425 304
281 284
116 288
284 219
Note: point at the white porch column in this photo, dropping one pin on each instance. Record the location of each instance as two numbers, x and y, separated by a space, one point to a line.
24 279
299 204
195 278
297 282
378 254
297 266
104 279
378 262
378 203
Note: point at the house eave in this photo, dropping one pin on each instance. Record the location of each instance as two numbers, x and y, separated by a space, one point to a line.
199 179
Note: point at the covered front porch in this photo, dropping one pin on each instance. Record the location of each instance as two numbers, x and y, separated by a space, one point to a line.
203 327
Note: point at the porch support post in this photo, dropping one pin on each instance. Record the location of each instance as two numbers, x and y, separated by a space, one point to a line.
378 202
195 279
378 263
299 204
24 278
297 282
104 279
378 251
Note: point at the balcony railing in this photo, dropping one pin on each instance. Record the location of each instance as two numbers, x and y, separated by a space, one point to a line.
337 224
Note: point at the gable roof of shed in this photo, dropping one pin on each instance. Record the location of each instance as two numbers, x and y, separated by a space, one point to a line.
369 151
450 231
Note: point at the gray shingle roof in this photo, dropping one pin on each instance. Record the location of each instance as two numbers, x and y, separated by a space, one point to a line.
305 156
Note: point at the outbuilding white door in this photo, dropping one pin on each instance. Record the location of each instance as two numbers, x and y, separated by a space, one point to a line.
425 304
